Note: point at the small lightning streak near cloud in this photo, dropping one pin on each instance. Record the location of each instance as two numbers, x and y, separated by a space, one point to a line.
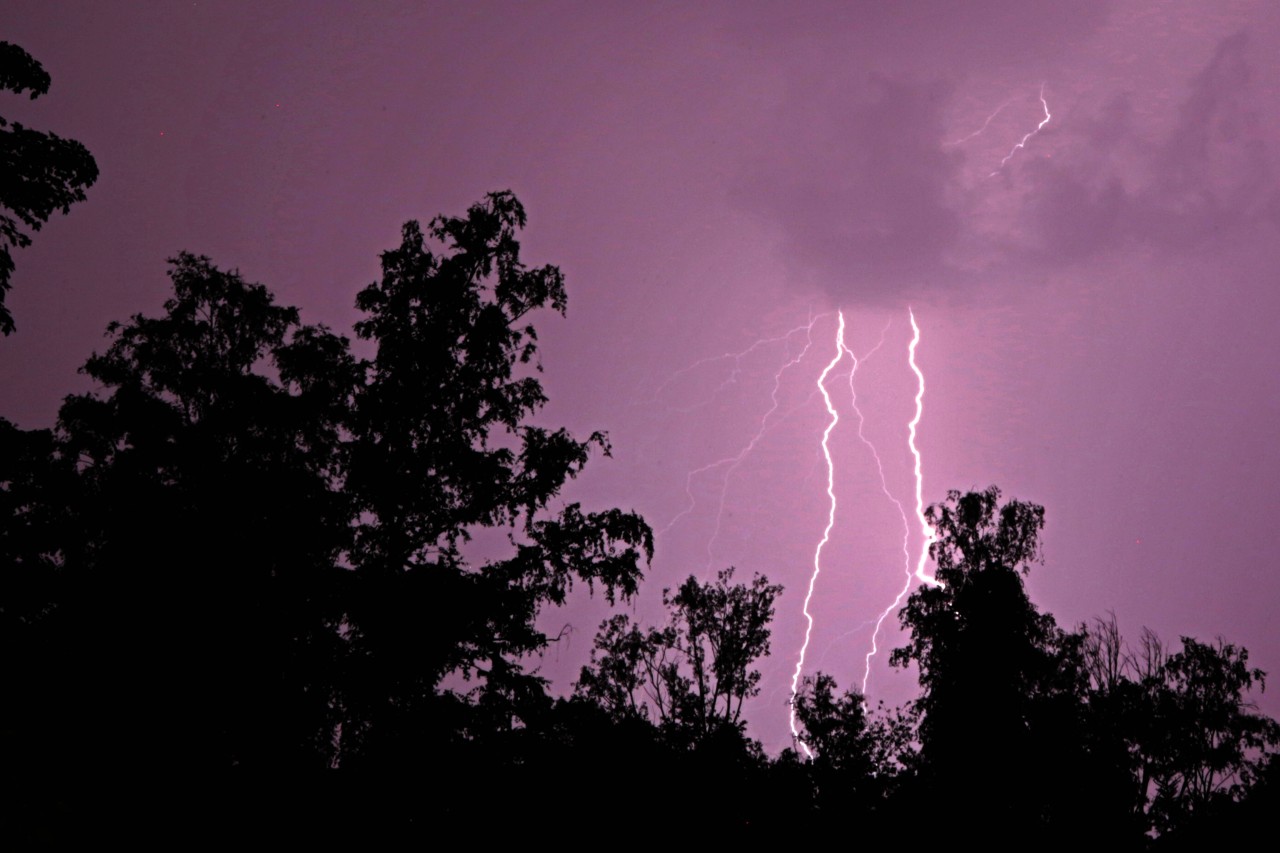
737 359
980 130
826 533
765 426
1022 143
767 421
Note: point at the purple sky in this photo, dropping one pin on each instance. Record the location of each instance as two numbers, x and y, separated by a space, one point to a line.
1099 317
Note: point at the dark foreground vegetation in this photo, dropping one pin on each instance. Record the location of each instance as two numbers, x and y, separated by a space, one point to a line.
249 548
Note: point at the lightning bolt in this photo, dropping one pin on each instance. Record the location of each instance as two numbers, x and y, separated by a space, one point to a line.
902 513
735 460
930 535
771 418
980 130
927 531
826 533
1022 143
736 357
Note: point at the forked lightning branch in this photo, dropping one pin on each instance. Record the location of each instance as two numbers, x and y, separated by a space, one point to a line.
912 571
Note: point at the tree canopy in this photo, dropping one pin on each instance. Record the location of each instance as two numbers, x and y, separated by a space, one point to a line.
1193 742
440 445
1003 738
258 543
693 675
253 542
40 173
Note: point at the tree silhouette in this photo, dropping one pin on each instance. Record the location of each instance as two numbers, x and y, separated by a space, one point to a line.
845 737
1004 740
694 674
1194 741
862 759
39 172
441 447
977 633
193 535
250 546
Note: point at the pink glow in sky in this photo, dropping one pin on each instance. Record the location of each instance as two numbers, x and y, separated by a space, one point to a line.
1099 319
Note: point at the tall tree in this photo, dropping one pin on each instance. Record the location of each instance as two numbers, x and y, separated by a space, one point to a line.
859 756
693 675
442 446
194 533
40 173
250 546
1194 741
976 634
1003 742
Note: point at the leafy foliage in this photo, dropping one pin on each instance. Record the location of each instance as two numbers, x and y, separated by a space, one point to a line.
695 673
1195 742
440 447
195 530
846 739
252 546
1001 683
977 633
270 531
40 173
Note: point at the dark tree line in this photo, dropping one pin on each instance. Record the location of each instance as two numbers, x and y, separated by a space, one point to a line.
252 546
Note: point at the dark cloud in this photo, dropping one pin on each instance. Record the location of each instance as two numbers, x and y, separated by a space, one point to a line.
1209 175
1113 124
1213 172
938 35
861 197
1076 218
872 206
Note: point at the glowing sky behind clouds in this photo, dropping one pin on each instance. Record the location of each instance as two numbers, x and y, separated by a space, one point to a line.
1099 318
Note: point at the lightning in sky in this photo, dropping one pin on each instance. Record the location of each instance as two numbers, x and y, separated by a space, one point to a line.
771 418
927 531
735 460
902 513
980 130
1022 143
736 358
826 533
930 535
